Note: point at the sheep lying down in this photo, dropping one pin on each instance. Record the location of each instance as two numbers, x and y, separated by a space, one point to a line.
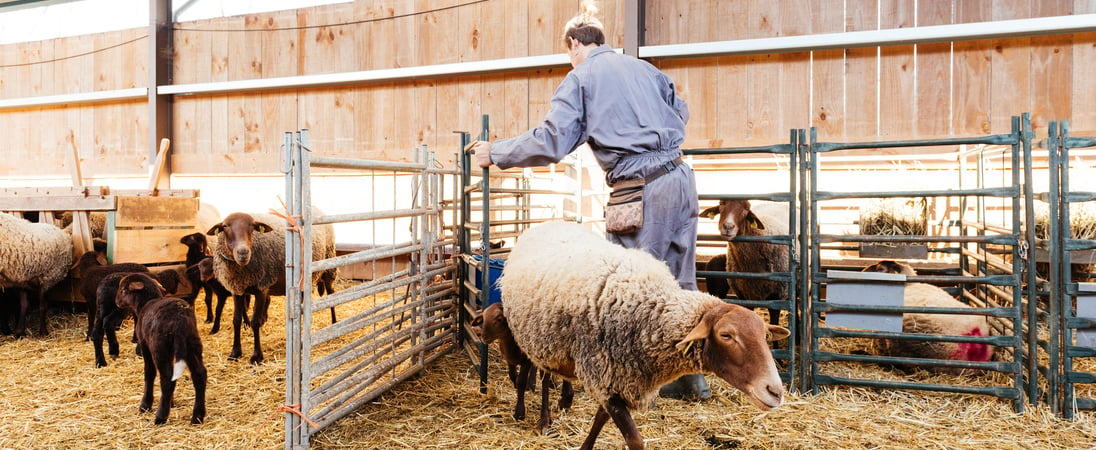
617 320
921 294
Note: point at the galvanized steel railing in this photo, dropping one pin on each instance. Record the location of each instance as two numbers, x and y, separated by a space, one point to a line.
392 325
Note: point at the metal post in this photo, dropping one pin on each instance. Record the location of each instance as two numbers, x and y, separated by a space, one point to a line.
1055 321
804 320
292 302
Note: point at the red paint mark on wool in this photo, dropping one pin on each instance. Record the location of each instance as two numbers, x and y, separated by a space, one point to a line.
972 352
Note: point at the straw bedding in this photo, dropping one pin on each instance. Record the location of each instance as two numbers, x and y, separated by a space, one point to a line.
52 396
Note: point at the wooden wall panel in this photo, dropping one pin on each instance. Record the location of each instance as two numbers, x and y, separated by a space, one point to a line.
973 76
828 66
862 75
929 90
795 71
896 73
934 74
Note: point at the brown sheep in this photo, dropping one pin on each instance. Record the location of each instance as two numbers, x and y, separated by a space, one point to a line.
168 337
492 327
737 218
108 316
92 267
249 259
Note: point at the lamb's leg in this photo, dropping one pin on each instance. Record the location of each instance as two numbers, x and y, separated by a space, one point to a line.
618 410
221 297
166 364
109 325
150 376
97 342
566 395
240 302
43 305
545 411
523 375
21 322
209 304
599 421
93 313
199 376
262 302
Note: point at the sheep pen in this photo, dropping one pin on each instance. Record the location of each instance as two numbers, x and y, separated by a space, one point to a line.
53 397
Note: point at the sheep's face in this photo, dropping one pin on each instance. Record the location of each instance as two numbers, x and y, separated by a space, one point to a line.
891 267
733 343
137 289
735 218
235 234
195 240
205 269
491 324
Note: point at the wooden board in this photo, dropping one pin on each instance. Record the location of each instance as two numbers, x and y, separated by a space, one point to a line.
146 246
135 212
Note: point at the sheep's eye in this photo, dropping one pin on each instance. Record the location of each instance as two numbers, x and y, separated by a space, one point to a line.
726 336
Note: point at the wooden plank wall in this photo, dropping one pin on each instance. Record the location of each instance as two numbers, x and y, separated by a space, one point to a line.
899 92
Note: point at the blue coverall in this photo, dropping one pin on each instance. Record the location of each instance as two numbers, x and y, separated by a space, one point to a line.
630 114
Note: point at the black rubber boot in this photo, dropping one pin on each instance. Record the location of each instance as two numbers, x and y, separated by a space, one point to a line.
688 387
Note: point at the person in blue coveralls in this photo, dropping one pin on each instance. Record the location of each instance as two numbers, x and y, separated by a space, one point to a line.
629 113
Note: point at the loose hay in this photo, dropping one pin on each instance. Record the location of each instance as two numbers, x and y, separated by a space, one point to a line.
443 409
54 397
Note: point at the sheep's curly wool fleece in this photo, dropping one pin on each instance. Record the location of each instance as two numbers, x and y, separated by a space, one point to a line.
37 254
616 313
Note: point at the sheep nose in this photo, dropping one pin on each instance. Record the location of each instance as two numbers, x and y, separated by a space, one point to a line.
777 391
243 256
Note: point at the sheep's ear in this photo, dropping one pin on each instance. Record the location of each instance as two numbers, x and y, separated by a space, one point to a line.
710 213
101 259
478 320
700 331
751 218
217 229
135 285
777 333
261 227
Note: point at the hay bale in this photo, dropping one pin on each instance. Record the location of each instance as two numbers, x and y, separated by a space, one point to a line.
894 217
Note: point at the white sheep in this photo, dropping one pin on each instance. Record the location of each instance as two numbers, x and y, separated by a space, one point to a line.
927 295
33 257
249 258
739 218
617 320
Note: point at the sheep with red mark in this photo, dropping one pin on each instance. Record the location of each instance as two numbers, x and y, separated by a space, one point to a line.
927 295
740 218
492 327
249 259
167 333
33 258
616 320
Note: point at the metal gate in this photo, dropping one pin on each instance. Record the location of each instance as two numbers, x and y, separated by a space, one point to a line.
787 160
393 324
1071 310
977 253
498 206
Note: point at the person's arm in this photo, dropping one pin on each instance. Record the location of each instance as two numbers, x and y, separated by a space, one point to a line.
562 130
673 100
